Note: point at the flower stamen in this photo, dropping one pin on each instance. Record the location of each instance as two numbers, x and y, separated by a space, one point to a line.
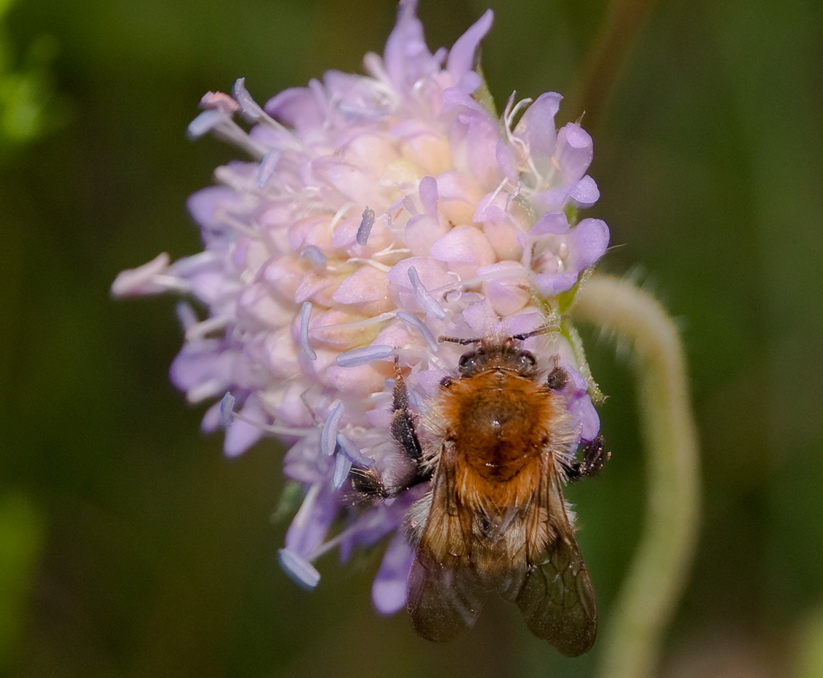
356 323
420 326
273 429
427 301
368 262
204 327
267 166
205 389
363 356
352 530
305 319
314 254
352 451
328 436
298 568
227 409
342 466
364 230
220 124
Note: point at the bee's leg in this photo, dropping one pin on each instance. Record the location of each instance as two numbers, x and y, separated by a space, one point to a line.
402 423
367 482
557 378
368 485
595 455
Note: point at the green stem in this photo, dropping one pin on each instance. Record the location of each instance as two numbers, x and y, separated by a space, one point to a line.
658 572
608 55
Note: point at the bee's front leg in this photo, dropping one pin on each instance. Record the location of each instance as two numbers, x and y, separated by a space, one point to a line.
402 423
367 482
595 455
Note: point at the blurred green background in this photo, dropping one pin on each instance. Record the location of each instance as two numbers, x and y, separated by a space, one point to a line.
130 547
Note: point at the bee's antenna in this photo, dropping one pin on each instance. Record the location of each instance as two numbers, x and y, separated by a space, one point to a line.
457 340
549 327
543 329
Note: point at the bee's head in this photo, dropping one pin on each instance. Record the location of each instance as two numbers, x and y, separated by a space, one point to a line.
493 355
504 354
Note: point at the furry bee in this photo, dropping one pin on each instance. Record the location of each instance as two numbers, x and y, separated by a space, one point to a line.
497 443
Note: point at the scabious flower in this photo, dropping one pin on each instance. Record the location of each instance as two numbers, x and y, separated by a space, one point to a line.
377 213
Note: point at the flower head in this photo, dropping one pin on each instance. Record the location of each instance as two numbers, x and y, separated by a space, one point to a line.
377 213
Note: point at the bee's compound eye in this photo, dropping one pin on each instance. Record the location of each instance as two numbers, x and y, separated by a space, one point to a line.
445 382
526 361
468 362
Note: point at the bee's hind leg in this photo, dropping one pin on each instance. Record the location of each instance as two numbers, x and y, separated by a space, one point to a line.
595 455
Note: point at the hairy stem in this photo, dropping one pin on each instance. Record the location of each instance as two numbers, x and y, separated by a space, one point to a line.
657 574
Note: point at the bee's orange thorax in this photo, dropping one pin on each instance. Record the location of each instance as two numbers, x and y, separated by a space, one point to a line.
500 422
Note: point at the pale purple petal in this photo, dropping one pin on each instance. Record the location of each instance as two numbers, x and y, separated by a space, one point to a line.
245 432
551 223
209 204
537 129
552 284
475 139
364 285
389 588
421 232
506 161
464 245
590 238
357 380
407 57
462 54
585 193
311 523
574 151
581 405
212 419
428 195
296 107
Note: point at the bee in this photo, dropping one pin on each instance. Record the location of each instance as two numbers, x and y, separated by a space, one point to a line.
498 436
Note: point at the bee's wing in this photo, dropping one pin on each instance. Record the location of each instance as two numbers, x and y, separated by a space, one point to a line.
444 595
556 594
444 599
